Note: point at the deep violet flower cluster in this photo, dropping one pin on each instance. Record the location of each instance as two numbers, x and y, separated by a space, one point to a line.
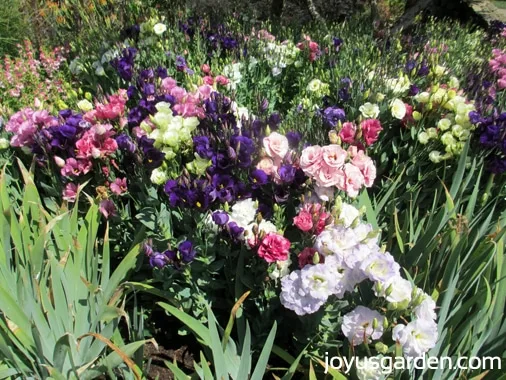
183 254
492 136
124 65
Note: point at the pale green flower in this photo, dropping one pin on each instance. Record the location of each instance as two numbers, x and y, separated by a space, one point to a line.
369 110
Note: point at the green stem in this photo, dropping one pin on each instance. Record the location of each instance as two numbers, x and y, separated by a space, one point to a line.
486 194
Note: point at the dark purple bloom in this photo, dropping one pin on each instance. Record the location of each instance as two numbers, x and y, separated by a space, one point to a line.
180 63
274 120
410 65
158 260
148 89
234 230
293 139
131 91
413 90
264 105
161 72
125 143
187 251
423 70
332 115
337 42
220 218
202 146
258 178
287 173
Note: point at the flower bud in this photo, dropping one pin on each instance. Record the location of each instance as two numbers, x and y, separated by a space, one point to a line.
4 143
316 258
381 348
60 162
389 290
333 137
375 323
385 323
417 116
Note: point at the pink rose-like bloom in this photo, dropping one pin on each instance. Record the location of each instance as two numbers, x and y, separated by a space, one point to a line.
306 257
276 145
347 132
274 248
304 221
70 192
222 80
369 173
501 83
334 156
323 220
311 160
370 130
205 68
208 80
328 176
267 165
119 186
107 208
168 84
354 180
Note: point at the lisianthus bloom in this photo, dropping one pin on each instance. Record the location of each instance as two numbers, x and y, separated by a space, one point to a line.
274 247
107 208
347 133
119 186
417 337
359 325
70 192
276 145
310 256
370 130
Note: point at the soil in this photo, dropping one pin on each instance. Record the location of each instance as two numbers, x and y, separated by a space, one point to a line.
157 368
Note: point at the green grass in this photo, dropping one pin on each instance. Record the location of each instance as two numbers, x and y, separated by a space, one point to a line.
500 4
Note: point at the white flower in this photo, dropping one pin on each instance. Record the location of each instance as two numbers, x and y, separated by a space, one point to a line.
4 143
440 70
314 85
159 28
369 368
369 110
276 71
159 176
243 212
281 269
422 97
444 124
435 156
335 239
358 324
398 109
348 214
427 308
305 291
398 289
423 138
417 337
398 85
380 267
85 105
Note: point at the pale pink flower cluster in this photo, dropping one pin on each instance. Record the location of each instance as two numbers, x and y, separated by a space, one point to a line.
188 104
277 153
96 142
25 124
331 165
498 66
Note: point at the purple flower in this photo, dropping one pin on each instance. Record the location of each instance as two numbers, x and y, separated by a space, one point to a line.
161 72
147 249
332 115
107 208
180 63
287 174
274 120
234 230
258 178
293 139
202 146
337 42
187 251
413 90
131 91
220 218
158 260
125 143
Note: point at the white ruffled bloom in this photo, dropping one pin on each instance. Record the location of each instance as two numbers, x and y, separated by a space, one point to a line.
358 324
399 290
281 269
369 110
417 337
243 212
380 267
348 214
369 368
159 28
398 109
159 176
427 308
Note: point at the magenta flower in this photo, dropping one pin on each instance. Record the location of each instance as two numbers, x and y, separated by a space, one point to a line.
119 186
107 208
70 192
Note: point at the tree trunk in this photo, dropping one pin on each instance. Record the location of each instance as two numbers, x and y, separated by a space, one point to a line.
408 18
314 12
277 8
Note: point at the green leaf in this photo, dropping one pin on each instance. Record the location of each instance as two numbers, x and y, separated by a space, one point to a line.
261 365
198 328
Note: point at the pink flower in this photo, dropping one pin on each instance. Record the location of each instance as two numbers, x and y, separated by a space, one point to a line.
267 165
303 221
119 186
354 180
311 160
205 68
334 156
306 257
274 248
208 80
168 84
71 168
70 192
347 132
501 83
220 79
370 130
276 145
369 173
329 176
107 208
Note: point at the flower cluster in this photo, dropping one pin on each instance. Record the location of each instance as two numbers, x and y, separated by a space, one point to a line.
345 254
183 254
279 55
310 47
332 166
492 136
498 66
